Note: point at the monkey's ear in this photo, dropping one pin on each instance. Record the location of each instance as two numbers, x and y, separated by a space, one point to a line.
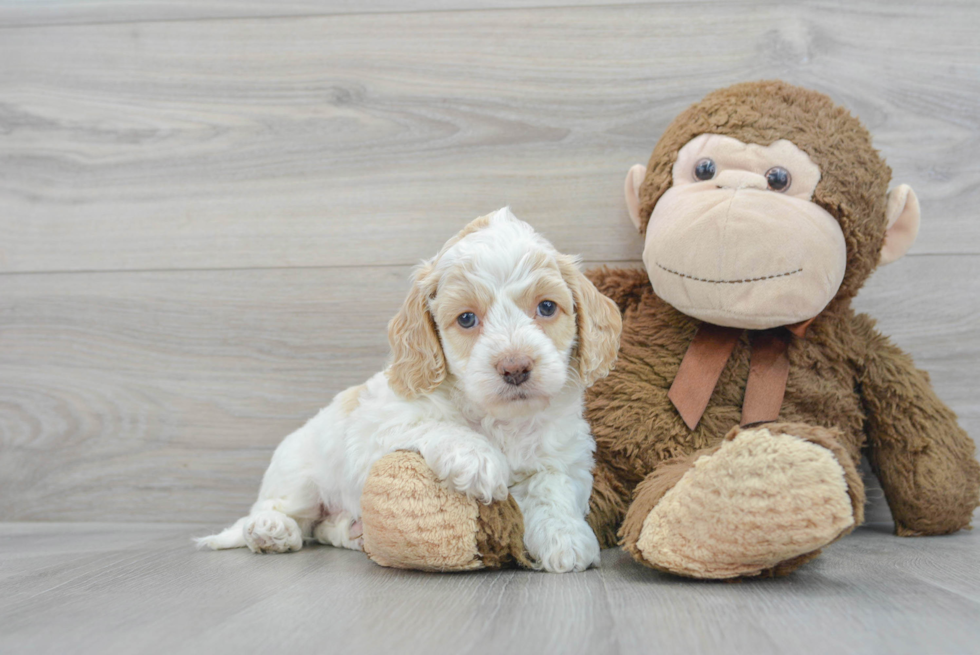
903 223
634 179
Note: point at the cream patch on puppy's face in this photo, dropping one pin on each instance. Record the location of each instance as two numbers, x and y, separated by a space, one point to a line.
506 319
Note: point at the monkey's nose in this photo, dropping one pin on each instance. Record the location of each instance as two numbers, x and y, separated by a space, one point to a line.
736 179
515 370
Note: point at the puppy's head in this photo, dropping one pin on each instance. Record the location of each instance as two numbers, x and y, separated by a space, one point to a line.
506 314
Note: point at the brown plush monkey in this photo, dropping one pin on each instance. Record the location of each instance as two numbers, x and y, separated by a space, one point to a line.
746 388
765 208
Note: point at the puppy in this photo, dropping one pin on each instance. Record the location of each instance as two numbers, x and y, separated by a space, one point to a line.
491 353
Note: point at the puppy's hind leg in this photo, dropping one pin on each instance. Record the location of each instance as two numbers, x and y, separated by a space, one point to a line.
288 503
263 531
271 531
341 531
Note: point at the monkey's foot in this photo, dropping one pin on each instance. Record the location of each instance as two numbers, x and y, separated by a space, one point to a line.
412 522
762 503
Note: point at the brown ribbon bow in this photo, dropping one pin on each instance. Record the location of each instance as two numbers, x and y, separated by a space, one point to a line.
706 357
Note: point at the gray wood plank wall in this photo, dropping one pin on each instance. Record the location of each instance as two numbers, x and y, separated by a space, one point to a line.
208 210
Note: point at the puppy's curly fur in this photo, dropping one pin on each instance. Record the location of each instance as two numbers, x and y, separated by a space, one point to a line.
491 354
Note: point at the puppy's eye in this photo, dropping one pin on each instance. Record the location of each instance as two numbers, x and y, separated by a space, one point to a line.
547 308
778 178
467 320
704 169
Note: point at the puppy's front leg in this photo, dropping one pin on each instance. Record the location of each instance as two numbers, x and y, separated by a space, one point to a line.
464 459
556 534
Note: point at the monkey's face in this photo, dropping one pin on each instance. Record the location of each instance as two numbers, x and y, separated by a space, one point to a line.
738 241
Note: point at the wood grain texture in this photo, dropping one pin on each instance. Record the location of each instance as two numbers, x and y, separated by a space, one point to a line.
358 139
108 588
27 13
206 219
160 395
119 386
21 13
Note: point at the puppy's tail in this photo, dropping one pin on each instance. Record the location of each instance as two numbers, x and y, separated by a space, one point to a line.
232 537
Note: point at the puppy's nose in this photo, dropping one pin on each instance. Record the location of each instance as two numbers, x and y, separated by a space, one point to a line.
515 370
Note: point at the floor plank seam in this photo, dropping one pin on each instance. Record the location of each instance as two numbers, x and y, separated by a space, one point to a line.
314 16
323 267
327 267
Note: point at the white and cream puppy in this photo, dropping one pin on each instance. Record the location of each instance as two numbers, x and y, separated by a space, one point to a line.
491 354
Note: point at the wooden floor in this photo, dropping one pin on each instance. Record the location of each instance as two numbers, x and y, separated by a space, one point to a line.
111 588
209 210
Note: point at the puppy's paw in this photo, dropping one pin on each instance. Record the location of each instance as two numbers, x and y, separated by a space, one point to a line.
478 471
341 531
562 546
272 532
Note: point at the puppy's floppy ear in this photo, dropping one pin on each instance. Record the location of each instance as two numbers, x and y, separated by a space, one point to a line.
417 365
598 322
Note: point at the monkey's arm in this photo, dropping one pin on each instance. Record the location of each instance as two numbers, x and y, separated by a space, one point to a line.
624 286
922 457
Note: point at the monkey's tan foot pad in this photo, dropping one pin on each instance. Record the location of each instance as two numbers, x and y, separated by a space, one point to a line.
764 502
411 521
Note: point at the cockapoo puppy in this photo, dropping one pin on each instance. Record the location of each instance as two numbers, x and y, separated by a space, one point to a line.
492 351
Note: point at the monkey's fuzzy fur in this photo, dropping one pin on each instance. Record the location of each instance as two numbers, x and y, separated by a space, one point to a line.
844 375
849 390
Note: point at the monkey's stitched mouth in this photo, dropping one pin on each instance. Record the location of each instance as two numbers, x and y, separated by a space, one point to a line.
746 280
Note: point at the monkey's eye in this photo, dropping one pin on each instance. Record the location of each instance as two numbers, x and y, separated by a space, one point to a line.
547 308
704 169
467 320
778 178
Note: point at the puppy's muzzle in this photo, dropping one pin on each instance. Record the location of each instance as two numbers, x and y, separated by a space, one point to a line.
515 370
